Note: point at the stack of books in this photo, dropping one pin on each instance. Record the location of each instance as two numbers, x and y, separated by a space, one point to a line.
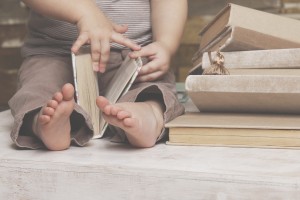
258 103
239 28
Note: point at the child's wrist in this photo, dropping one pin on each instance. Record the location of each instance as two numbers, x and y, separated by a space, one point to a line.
170 48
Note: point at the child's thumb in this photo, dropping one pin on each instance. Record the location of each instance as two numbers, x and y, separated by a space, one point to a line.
120 28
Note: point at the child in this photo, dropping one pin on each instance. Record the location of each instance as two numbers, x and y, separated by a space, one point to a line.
44 109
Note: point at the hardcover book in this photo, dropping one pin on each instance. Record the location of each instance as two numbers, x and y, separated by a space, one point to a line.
235 130
257 62
245 93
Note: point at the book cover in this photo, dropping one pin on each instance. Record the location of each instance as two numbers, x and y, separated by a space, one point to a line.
87 89
235 129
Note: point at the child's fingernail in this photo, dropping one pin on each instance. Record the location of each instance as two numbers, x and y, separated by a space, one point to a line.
95 66
102 70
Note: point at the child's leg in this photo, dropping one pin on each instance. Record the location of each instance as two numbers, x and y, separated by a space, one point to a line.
42 95
142 112
141 121
52 123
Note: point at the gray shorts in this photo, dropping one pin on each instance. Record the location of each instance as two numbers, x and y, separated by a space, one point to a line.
41 76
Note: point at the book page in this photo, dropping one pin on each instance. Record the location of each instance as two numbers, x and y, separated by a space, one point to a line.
121 82
86 86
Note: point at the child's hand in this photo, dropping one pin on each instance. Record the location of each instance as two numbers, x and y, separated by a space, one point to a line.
159 64
97 30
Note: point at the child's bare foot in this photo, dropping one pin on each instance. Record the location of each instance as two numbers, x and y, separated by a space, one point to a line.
141 121
52 123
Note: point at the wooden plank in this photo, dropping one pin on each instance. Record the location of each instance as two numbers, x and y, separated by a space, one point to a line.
112 171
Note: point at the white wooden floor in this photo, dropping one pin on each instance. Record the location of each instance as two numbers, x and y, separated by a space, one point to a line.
108 171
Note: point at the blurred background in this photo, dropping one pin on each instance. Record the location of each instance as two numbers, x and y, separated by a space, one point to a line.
13 18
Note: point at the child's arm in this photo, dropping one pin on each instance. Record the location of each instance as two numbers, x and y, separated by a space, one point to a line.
168 20
93 26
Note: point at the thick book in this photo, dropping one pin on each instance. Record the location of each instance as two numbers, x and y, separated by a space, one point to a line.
257 62
256 59
238 28
87 89
245 93
235 129
241 39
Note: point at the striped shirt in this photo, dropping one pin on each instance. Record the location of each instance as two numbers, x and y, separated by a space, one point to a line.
54 37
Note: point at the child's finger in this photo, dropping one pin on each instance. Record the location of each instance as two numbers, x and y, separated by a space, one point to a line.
148 68
146 51
120 28
120 39
150 77
95 51
105 50
81 40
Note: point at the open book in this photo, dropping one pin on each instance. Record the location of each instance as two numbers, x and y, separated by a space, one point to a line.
87 90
